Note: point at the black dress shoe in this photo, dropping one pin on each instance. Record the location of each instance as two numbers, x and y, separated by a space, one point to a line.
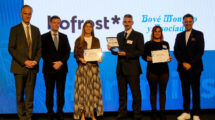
137 117
162 115
153 115
50 116
121 116
60 117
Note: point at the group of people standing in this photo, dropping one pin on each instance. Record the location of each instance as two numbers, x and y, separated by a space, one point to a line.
27 46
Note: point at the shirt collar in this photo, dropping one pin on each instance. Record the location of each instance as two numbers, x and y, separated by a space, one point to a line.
54 33
129 31
25 25
189 31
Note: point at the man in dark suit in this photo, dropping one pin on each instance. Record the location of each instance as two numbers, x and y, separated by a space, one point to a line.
25 49
55 53
188 50
128 69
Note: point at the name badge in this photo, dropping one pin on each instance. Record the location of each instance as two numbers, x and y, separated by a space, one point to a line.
129 42
164 46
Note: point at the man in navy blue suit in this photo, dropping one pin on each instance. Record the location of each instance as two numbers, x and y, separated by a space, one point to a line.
55 53
188 50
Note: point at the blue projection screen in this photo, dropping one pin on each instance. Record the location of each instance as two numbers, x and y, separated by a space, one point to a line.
107 16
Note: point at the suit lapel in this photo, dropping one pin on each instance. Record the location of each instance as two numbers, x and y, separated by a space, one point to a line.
23 35
33 40
130 36
184 39
122 40
60 41
26 49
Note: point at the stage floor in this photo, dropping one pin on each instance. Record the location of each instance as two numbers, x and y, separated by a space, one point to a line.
112 116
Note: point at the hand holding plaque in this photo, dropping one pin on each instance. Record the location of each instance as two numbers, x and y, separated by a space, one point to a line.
113 43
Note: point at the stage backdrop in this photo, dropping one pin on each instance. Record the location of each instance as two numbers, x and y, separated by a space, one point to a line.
107 16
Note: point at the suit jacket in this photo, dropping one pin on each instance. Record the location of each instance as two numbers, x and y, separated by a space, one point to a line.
79 51
192 52
50 54
18 48
134 48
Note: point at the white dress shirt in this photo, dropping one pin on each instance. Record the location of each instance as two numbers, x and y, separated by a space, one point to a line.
128 32
187 35
89 41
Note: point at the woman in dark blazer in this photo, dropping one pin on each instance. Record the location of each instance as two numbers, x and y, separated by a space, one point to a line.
157 73
88 93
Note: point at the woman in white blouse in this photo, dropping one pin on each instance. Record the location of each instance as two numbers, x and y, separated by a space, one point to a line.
88 93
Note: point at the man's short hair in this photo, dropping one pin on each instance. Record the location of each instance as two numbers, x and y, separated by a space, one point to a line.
188 15
24 6
54 17
128 16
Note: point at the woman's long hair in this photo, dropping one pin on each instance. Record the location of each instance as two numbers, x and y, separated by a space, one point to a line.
83 32
153 31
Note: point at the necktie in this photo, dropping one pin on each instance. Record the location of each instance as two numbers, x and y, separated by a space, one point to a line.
29 43
125 35
55 41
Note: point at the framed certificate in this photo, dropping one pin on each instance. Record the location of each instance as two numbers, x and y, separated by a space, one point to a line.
160 56
91 55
